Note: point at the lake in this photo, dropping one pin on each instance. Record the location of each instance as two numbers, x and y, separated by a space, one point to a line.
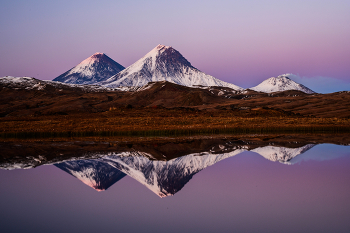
191 186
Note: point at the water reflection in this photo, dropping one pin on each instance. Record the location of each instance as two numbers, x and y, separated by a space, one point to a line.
163 168
164 178
282 154
94 173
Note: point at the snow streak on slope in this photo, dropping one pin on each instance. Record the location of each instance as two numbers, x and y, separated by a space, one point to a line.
164 63
281 83
281 154
96 68
30 83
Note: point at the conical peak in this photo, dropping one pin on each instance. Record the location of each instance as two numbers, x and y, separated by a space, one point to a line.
167 53
97 55
159 49
163 53
282 82
164 63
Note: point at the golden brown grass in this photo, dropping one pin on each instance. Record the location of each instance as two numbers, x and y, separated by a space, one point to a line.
165 121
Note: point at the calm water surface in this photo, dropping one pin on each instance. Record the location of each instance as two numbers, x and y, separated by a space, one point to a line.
265 189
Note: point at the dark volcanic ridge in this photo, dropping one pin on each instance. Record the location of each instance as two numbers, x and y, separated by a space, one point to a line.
32 97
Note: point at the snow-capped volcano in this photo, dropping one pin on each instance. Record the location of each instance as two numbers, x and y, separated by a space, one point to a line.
163 63
96 68
281 83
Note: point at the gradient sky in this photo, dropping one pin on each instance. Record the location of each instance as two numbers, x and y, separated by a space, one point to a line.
242 42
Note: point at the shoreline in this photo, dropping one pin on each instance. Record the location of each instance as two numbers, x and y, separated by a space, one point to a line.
180 132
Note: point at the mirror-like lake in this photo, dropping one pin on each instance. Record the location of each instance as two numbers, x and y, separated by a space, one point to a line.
195 186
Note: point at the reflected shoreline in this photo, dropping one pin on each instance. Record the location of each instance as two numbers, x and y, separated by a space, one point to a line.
163 165
161 148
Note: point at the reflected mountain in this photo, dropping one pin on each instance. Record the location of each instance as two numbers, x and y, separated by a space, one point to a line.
165 178
94 173
163 167
281 154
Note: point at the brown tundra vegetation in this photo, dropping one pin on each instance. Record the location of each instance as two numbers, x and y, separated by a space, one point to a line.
165 108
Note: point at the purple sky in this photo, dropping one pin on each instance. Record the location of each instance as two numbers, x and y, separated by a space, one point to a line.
242 42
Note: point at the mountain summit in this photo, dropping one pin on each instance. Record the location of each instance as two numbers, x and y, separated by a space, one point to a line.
96 68
163 63
281 83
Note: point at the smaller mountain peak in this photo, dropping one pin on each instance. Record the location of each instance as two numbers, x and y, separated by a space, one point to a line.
98 67
282 82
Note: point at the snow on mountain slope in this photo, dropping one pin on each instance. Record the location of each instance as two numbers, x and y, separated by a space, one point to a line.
94 173
20 82
30 83
281 154
96 68
163 63
281 83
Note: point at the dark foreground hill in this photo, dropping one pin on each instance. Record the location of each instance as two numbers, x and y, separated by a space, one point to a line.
54 99
51 107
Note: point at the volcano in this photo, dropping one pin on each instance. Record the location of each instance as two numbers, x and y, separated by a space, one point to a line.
164 63
281 83
92 70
